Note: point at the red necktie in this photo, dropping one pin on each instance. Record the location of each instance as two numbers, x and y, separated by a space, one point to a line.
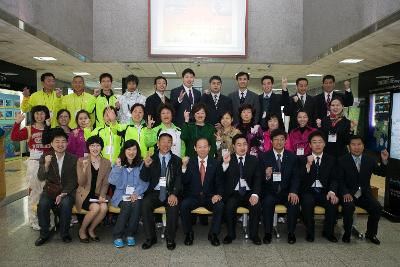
202 171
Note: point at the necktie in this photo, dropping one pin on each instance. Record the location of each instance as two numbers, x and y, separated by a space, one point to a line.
266 101
242 98
328 99
302 100
317 164
163 99
190 97
163 190
242 189
358 163
202 171
279 162
216 101
328 103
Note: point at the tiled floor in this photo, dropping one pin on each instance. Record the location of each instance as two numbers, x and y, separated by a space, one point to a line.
15 171
17 248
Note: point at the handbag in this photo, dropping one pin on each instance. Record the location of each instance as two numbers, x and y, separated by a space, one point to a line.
53 188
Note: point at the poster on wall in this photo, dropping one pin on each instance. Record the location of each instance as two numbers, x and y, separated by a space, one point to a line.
395 128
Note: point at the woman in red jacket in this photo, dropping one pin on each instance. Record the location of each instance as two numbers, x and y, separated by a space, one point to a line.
298 137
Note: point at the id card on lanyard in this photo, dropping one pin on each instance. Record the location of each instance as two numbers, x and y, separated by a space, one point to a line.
110 147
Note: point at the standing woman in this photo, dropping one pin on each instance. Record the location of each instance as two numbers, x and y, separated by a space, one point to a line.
274 122
129 191
225 134
63 119
76 138
191 131
93 172
298 137
253 132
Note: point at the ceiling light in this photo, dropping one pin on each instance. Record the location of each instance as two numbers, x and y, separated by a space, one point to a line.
314 75
168 72
45 58
351 60
291 83
9 73
81 73
118 88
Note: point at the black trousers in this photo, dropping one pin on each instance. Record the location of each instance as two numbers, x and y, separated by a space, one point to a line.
231 205
128 219
64 211
370 204
309 200
151 202
268 209
190 203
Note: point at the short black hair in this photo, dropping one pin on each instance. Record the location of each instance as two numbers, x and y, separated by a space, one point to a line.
39 108
267 77
356 137
278 132
238 136
79 113
244 107
61 111
241 73
132 78
78 76
328 77
224 113
47 74
158 78
316 133
165 134
57 132
105 75
281 125
202 138
166 106
199 106
111 107
124 160
95 139
215 77
338 98
137 105
301 79
186 71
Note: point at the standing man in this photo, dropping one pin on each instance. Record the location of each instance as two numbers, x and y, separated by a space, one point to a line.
129 98
163 172
323 100
355 187
154 101
280 185
271 103
103 98
184 97
216 103
244 96
48 97
242 180
77 101
300 101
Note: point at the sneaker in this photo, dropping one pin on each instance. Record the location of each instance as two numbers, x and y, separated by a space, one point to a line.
118 243
74 219
35 226
130 240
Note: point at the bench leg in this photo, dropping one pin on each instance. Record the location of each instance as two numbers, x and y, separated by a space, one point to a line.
354 229
245 225
164 225
275 226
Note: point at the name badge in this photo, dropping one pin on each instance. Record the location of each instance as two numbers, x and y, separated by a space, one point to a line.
332 138
276 177
243 183
109 150
318 184
300 151
85 154
358 193
163 181
126 198
129 190
264 115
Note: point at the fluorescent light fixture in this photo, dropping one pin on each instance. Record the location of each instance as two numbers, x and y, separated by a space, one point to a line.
249 73
45 58
276 89
291 83
314 75
168 72
351 60
81 73
118 88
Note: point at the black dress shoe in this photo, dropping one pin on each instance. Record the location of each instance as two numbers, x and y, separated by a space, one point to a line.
213 238
267 238
330 238
94 238
291 238
148 243
67 239
189 238
228 239
310 238
346 238
171 244
256 240
83 240
373 239
40 241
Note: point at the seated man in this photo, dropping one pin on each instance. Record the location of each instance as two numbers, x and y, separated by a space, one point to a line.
280 185
319 186
163 171
242 186
58 170
355 189
202 187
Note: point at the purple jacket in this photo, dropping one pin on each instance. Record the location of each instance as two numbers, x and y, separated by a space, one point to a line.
299 141
77 144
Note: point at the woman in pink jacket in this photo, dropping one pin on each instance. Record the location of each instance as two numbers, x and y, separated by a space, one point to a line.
298 137
274 122
76 138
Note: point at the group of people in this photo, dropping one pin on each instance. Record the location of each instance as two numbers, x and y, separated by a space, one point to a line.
194 150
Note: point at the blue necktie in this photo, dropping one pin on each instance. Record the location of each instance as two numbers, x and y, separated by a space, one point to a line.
242 189
279 166
163 190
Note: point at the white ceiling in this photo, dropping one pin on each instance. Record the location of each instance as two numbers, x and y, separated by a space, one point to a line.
19 47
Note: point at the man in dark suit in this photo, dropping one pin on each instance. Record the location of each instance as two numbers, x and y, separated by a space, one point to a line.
318 186
217 104
300 101
271 103
154 101
202 187
184 97
280 185
242 187
243 96
163 172
59 190
355 189
323 100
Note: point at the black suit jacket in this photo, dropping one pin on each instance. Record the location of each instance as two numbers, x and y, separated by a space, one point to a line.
289 172
213 183
153 102
251 98
320 104
251 173
214 113
275 103
174 174
185 105
327 174
294 107
342 129
350 179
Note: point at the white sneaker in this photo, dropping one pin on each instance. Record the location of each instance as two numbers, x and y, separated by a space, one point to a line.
35 226
74 219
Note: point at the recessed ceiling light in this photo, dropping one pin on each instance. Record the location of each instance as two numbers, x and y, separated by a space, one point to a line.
168 72
351 60
45 58
81 73
314 75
